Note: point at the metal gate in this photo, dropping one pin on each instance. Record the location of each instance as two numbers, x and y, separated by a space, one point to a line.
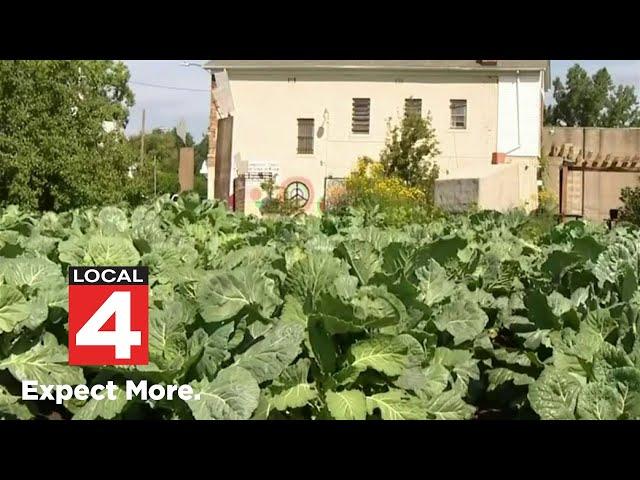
239 184
335 193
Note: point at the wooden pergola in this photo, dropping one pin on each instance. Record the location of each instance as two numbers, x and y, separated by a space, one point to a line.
577 161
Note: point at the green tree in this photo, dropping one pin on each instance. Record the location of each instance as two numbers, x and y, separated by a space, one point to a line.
592 101
55 153
163 147
409 151
201 151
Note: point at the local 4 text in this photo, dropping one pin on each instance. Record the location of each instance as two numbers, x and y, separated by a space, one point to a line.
108 315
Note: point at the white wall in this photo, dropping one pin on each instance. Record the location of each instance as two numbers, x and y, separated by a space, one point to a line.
529 111
266 113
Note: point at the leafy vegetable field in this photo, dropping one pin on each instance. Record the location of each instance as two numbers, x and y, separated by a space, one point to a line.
335 317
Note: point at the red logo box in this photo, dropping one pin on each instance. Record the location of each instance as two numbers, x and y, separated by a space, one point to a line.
108 316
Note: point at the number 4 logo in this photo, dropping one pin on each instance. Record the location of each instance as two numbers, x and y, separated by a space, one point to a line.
122 338
108 316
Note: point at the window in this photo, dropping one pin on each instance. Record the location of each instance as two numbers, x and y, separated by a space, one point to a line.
360 115
305 135
413 106
459 114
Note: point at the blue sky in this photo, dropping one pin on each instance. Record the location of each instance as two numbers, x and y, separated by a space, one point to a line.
166 106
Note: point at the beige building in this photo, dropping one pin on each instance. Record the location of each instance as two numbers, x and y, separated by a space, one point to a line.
306 121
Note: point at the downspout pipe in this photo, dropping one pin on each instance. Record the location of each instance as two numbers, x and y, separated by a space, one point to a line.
517 111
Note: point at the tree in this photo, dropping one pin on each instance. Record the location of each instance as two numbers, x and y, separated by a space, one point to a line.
584 101
201 152
55 153
409 151
163 146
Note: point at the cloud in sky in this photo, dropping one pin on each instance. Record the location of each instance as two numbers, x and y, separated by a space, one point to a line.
164 107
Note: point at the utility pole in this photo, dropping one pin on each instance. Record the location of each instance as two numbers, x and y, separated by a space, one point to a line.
213 139
155 175
142 139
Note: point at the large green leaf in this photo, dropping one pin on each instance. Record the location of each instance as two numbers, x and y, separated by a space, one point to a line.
319 273
385 353
292 310
97 249
427 382
396 404
347 404
375 306
363 258
267 358
105 409
167 336
232 395
293 389
323 346
215 350
460 362
36 273
463 319
223 294
501 375
10 407
448 406
599 401
46 362
615 261
371 307
627 380
554 394
14 308
540 312
433 283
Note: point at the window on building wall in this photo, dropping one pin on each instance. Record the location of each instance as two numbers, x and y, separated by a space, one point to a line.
360 115
458 114
413 106
305 135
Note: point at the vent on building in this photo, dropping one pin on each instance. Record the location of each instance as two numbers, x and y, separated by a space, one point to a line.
360 115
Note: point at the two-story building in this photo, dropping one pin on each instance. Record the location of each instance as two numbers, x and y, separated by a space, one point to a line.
308 120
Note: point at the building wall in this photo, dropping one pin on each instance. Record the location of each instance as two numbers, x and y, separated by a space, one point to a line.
604 141
492 187
519 122
267 109
601 189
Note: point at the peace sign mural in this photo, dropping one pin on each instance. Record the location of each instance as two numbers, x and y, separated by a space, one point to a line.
300 190
297 192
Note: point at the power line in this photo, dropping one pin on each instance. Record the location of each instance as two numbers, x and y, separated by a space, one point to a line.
167 87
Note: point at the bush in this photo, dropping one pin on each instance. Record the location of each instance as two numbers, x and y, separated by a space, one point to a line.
369 187
630 212
401 186
408 154
547 201
276 203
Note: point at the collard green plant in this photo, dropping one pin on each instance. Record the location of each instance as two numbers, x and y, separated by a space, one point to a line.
334 318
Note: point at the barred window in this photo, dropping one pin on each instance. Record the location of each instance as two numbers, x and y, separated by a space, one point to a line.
360 115
413 106
458 114
305 135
